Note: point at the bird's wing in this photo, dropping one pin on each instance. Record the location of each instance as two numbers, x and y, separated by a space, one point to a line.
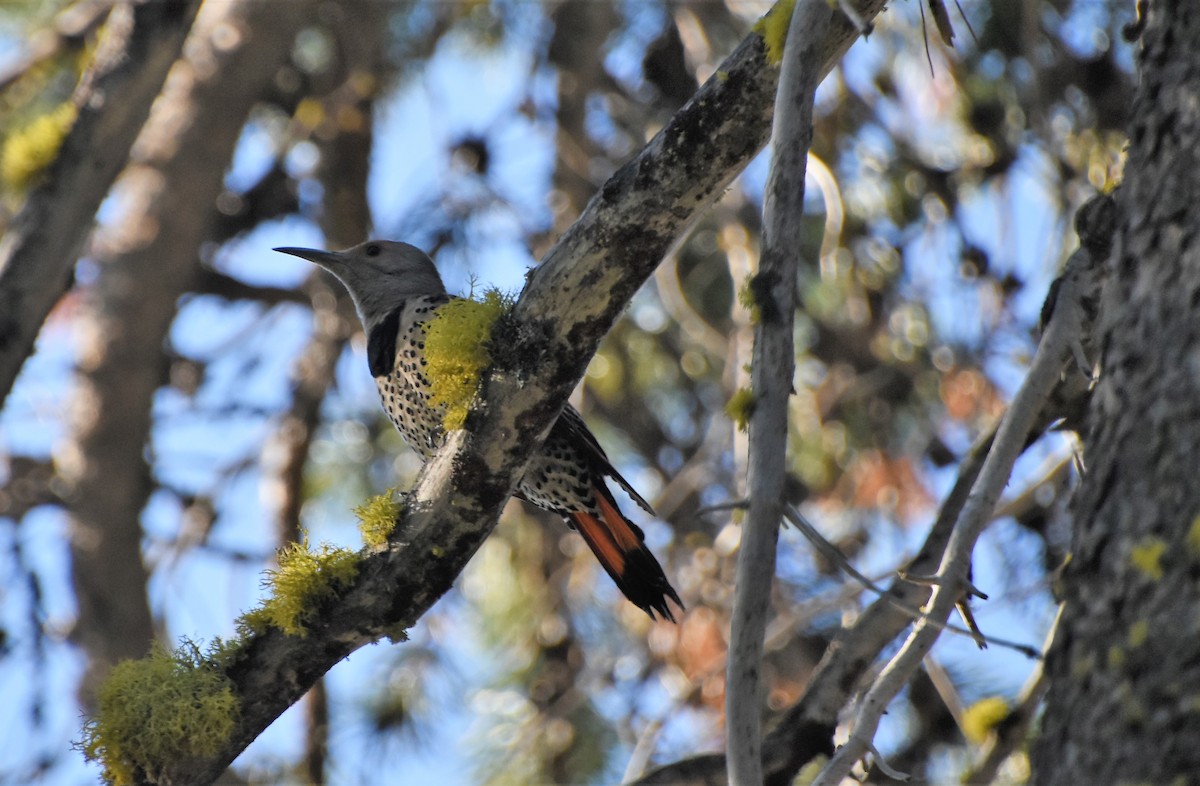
572 422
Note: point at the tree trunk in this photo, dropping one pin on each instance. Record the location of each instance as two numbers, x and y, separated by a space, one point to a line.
1124 705
147 261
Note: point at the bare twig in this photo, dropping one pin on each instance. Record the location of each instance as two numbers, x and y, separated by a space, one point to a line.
1063 335
806 729
774 361
1011 733
835 557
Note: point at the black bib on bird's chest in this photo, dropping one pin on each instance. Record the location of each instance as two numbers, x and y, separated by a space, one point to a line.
381 344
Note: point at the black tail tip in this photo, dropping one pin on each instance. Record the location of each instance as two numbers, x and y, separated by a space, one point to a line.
647 587
660 606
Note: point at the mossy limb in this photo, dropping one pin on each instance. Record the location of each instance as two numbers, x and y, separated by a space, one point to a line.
304 578
1138 633
456 352
747 300
150 713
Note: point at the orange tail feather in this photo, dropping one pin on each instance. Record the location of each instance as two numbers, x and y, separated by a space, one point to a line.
618 545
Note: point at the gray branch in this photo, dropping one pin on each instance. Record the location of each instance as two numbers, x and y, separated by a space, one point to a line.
567 307
806 729
1065 334
772 368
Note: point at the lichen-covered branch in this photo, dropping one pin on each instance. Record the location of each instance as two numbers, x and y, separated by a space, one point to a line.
569 304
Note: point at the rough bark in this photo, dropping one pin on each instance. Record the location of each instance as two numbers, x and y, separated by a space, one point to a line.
147 262
568 306
1125 666
38 252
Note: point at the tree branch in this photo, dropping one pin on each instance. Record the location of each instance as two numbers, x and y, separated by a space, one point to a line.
38 252
569 304
772 368
1064 336
806 729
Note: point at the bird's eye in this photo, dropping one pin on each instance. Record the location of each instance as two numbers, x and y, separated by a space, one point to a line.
372 250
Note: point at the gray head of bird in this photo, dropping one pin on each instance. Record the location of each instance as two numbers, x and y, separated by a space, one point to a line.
378 274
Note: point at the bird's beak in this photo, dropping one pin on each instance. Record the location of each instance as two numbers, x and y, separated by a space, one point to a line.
330 260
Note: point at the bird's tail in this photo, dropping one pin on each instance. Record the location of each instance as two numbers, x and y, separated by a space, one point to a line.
619 546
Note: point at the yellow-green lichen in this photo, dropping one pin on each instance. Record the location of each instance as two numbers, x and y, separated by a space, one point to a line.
305 577
456 352
740 408
1133 710
224 653
1116 657
1147 555
980 718
254 622
773 28
809 772
28 151
722 76
1138 633
1193 538
150 713
377 518
1083 665
746 297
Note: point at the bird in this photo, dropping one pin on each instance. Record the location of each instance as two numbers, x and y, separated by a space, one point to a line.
396 289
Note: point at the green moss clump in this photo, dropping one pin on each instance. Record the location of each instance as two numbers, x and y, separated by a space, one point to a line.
302 581
456 352
981 717
150 713
740 408
254 622
377 518
28 151
746 297
773 28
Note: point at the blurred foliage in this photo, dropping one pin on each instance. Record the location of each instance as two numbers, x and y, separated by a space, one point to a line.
937 214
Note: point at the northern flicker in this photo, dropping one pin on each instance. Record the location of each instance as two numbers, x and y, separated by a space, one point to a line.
396 290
